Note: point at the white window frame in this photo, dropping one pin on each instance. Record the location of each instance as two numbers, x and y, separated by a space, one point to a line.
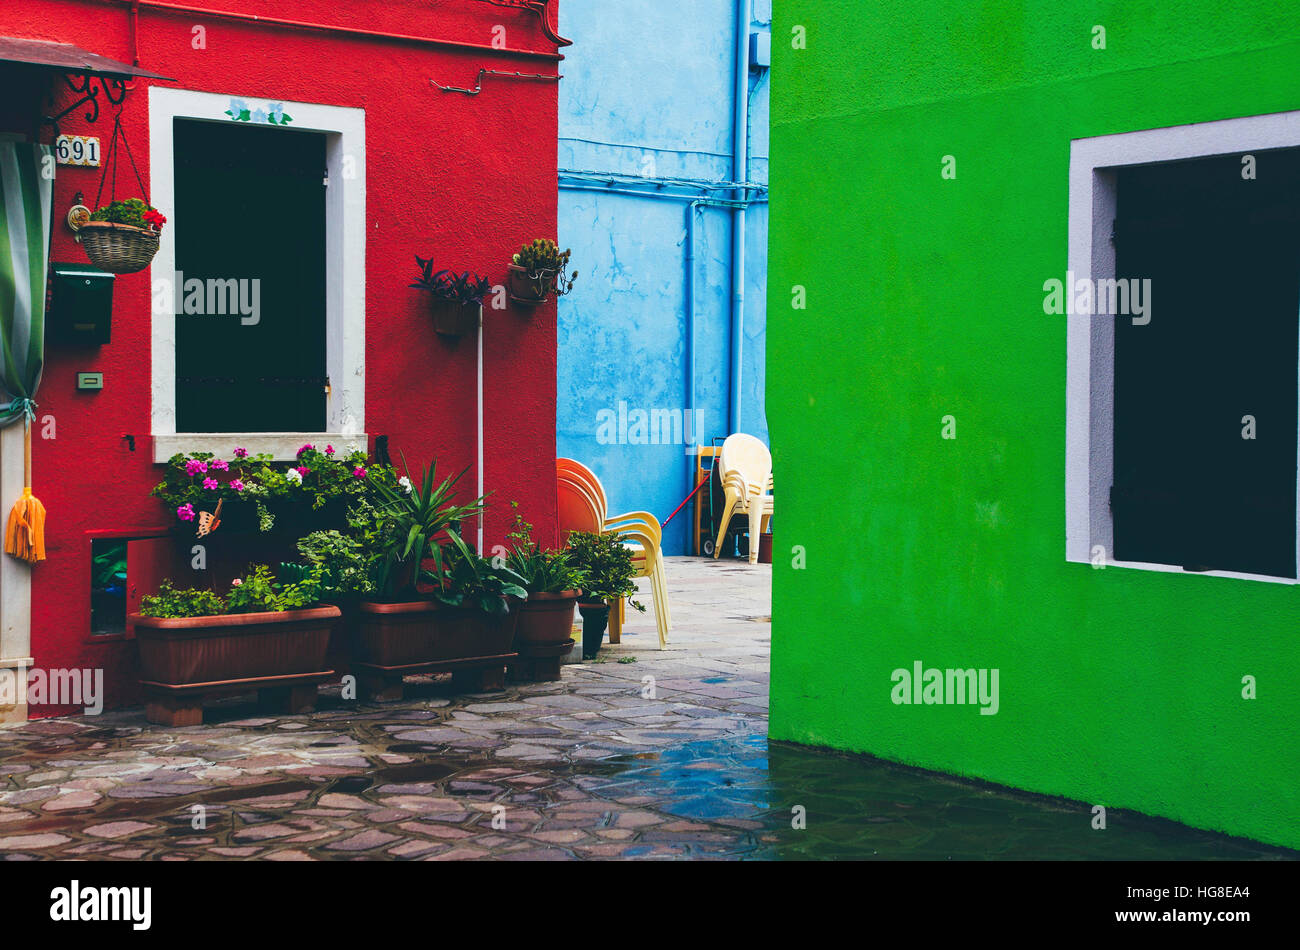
1090 359
345 270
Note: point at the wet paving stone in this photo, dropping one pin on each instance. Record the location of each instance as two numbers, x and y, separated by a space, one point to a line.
588 768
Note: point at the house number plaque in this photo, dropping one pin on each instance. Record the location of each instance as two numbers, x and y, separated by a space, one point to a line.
77 150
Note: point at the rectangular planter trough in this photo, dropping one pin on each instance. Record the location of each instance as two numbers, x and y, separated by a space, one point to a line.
281 654
393 640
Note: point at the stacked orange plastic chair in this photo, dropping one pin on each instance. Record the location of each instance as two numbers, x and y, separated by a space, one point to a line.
582 506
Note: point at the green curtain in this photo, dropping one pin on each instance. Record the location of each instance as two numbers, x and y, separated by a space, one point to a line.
26 200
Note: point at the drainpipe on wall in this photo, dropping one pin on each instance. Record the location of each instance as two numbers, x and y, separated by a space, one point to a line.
739 173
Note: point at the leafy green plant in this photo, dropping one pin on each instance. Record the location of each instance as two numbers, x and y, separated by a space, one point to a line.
172 603
607 565
465 288
545 265
256 592
132 211
340 559
407 524
469 580
542 572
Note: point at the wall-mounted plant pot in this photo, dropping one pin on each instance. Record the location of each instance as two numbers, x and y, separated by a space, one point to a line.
528 290
118 248
451 318
545 619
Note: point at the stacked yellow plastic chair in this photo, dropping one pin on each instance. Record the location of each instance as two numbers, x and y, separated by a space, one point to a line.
745 465
582 502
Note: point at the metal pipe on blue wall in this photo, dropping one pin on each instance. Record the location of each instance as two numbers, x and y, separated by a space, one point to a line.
694 202
740 173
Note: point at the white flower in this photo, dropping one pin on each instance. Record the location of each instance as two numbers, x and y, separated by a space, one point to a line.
294 476
405 483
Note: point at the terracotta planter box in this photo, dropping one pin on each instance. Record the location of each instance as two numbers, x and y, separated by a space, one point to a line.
419 632
545 620
279 653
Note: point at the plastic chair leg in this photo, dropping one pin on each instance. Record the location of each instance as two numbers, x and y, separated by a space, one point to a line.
755 519
728 506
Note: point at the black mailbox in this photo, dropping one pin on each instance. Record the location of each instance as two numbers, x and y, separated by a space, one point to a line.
81 304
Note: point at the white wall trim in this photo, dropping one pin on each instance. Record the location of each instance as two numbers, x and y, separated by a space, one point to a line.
345 255
280 445
1090 342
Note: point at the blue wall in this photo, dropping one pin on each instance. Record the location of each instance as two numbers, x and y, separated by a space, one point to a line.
646 103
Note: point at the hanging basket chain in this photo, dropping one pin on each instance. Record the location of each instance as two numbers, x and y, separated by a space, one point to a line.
110 162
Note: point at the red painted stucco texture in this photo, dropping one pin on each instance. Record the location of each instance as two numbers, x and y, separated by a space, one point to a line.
466 179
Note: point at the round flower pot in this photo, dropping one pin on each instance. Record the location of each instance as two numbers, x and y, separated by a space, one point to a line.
528 290
453 318
118 248
546 619
595 618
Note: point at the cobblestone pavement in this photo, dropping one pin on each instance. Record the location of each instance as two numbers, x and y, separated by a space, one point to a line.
587 767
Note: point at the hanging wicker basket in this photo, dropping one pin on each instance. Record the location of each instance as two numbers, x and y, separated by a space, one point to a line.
118 248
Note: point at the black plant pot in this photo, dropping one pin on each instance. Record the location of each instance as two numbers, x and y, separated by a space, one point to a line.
595 618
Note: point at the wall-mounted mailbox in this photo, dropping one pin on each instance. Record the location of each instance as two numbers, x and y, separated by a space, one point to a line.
90 380
81 304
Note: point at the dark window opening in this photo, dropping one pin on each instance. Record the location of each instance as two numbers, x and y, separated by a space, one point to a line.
250 206
1223 256
108 584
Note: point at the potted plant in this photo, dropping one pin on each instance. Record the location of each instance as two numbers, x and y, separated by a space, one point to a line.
477 595
313 491
263 634
553 583
539 270
122 237
606 565
457 298
397 624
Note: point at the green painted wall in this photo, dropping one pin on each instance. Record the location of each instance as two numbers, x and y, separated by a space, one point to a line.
1117 687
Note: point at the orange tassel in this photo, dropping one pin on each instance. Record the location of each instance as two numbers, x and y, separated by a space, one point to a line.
25 533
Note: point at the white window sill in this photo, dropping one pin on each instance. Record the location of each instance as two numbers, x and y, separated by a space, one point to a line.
282 446
1175 569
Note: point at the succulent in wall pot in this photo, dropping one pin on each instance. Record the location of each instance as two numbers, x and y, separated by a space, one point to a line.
457 298
539 270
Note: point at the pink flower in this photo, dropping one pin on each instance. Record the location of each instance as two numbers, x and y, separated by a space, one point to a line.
241 453
329 450
236 583
210 483
194 467
221 465
237 485
306 448
185 512
303 470
358 472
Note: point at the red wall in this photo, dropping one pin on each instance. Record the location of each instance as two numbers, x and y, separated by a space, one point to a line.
464 178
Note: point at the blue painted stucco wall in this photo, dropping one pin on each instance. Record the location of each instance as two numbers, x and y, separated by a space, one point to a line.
647 104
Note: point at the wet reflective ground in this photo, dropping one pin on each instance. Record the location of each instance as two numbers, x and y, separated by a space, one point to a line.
594 766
